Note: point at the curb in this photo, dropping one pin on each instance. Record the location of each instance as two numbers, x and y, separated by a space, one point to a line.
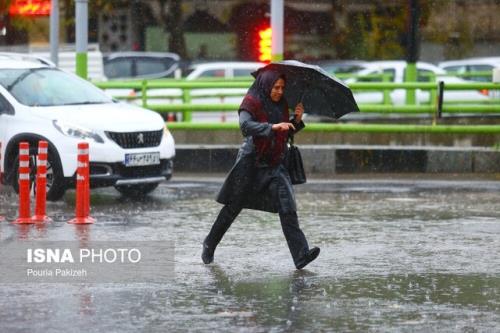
335 159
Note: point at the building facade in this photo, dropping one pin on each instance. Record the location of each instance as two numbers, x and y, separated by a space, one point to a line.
323 29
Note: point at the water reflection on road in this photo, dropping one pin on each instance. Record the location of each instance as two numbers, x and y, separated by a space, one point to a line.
412 256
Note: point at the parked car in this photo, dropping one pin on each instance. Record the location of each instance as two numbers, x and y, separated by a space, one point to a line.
66 57
26 57
140 65
208 71
396 72
130 147
341 66
465 66
223 70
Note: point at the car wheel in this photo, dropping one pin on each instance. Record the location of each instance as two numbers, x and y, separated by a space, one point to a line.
136 191
56 184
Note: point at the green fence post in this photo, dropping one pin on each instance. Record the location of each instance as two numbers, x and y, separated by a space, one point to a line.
144 93
186 99
81 65
386 77
411 76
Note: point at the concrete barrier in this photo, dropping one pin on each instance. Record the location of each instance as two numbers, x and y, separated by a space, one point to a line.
335 159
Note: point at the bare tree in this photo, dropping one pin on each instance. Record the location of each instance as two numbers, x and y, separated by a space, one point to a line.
171 20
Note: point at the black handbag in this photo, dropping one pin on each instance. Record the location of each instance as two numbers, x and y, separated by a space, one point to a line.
295 166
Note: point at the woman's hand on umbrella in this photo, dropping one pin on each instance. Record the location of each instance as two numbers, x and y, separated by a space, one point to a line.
299 111
283 127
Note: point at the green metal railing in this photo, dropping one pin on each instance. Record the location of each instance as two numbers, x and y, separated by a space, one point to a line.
354 128
185 97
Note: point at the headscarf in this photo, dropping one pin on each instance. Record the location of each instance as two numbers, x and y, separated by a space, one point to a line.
258 102
261 89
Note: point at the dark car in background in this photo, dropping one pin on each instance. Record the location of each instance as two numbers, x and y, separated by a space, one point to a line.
140 65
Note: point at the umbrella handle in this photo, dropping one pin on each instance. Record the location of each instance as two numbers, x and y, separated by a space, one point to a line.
302 96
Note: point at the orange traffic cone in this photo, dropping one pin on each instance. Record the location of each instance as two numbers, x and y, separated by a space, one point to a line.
82 207
24 184
41 183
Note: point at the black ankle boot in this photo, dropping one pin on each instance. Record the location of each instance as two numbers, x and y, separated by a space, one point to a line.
226 216
208 254
307 258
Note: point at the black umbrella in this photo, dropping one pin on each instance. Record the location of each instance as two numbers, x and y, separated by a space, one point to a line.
320 93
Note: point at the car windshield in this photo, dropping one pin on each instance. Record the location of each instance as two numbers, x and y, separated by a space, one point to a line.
50 87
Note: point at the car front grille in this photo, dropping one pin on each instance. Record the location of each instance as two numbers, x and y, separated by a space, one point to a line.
136 139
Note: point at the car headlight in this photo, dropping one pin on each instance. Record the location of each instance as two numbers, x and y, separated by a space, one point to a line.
166 132
76 131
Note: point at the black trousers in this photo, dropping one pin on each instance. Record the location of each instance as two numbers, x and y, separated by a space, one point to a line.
295 238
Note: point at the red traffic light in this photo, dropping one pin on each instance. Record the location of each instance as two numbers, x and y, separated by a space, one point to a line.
265 44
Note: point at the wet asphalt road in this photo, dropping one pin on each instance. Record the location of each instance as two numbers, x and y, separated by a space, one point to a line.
396 256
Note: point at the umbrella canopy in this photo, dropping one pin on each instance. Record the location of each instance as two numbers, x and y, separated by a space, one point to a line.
320 93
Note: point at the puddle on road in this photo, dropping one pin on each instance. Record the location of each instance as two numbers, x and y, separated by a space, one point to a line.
392 259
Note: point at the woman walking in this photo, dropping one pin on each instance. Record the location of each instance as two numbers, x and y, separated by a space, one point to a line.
259 180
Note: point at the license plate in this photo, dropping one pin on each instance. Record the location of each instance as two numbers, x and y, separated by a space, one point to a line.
142 159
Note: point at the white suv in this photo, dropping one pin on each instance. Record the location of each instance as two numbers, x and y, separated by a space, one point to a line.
223 70
130 147
395 69
465 66
220 70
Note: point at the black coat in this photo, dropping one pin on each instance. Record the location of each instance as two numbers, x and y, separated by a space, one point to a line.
254 186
